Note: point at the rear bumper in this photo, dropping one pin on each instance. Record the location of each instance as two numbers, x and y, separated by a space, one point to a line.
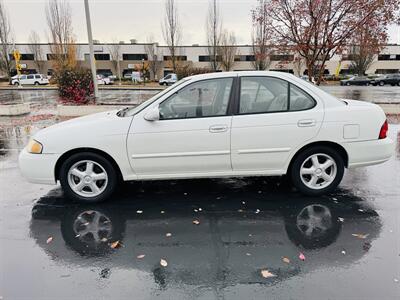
368 153
38 168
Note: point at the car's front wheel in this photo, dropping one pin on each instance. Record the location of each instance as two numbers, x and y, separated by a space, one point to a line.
88 177
317 170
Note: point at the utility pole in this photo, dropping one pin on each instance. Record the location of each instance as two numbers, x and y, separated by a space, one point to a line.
91 50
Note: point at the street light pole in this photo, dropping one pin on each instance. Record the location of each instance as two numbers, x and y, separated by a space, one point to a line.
91 50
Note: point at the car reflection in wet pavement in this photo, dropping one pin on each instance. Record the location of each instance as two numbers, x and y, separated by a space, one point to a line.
243 229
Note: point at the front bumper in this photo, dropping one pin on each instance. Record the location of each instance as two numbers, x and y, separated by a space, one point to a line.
368 153
38 168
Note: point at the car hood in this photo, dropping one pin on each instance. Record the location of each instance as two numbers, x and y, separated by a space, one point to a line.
87 131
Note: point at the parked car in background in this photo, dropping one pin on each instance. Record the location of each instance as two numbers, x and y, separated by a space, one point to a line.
101 79
169 79
29 79
356 80
127 75
230 124
392 79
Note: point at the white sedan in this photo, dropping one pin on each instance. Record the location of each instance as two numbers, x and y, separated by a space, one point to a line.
213 125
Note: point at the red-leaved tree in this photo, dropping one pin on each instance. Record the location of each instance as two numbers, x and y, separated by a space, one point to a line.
318 29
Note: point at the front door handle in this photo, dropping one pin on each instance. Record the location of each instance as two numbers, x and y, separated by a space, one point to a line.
306 123
218 128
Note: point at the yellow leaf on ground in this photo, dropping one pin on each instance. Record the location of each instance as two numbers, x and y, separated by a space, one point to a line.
163 262
267 274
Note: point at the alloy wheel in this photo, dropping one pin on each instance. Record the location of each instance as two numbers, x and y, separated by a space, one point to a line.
87 178
318 171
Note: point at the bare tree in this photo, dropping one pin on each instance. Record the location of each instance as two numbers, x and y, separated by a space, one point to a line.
115 53
228 50
5 40
214 29
58 14
36 50
261 36
172 31
152 56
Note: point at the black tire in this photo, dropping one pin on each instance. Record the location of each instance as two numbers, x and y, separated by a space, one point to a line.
111 173
16 84
381 83
347 83
36 83
367 84
302 157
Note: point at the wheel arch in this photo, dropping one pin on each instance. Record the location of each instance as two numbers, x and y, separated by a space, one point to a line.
67 154
341 151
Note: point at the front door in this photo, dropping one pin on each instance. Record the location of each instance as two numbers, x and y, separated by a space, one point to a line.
274 117
192 137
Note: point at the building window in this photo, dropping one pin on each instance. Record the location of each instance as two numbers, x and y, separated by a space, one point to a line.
245 58
102 56
389 57
134 56
51 56
24 57
207 58
177 57
387 71
282 57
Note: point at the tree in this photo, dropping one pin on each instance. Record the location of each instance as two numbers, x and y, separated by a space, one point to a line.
63 51
227 50
172 31
36 50
319 29
214 29
6 41
152 56
261 36
115 55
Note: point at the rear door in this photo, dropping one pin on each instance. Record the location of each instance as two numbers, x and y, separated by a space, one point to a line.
30 79
272 119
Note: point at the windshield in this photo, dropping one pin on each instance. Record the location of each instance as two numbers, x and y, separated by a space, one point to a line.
134 110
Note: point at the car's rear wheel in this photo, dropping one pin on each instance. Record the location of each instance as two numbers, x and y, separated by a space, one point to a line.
347 83
16 84
88 177
317 170
381 83
36 83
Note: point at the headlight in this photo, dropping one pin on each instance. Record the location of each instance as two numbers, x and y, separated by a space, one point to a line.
34 147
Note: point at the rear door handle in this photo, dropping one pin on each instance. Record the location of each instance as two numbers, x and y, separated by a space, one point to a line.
306 123
218 128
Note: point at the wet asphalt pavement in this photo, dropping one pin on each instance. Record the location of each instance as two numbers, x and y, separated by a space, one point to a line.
51 248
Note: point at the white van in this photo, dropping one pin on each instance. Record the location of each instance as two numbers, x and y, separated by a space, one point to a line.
30 79
169 79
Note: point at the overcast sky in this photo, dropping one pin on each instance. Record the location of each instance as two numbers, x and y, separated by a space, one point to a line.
137 19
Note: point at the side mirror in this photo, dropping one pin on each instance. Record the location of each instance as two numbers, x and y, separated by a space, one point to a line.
153 114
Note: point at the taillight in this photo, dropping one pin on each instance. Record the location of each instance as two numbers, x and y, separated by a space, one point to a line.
384 130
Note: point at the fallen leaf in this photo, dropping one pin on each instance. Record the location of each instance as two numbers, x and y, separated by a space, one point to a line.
343 252
286 260
267 274
196 222
302 257
162 212
396 280
140 256
168 234
115 245
341 219
139 211
104 240
248 254
257 211
163 262
49 240
360 236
